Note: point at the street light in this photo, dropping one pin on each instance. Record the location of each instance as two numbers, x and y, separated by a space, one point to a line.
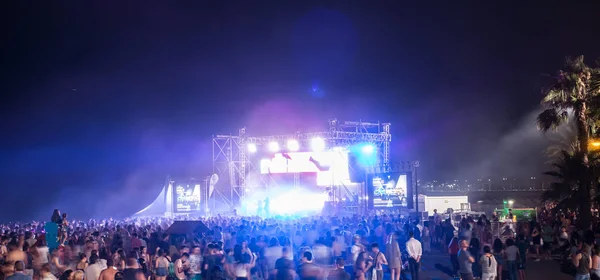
416 166
594 144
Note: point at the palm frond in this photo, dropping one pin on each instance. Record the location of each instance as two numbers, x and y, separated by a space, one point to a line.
553 174
551 119
575 64
565 139
556 95
595 82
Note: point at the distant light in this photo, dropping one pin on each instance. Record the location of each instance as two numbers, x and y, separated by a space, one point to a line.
317 144
510 202
368 149
596 144
274 147
247 189
251 148
293 145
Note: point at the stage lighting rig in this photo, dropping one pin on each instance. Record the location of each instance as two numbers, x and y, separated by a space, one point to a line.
317 144
274 147
293 145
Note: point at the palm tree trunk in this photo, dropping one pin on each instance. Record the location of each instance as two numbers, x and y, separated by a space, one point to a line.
582 130
585 208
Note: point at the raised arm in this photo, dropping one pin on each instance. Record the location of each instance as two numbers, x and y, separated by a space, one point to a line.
252 260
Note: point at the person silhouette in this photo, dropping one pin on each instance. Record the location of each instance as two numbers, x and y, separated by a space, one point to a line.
267 205
259 209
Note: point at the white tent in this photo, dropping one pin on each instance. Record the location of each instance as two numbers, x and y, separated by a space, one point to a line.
162 205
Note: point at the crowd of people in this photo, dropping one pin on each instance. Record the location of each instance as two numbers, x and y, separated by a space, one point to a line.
357 247
476 253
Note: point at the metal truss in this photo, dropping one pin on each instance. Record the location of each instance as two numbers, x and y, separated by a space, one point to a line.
225 154
231 164
231 161
333 136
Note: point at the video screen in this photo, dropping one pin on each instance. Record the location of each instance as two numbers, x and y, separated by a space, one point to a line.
331 167
187 198
390 190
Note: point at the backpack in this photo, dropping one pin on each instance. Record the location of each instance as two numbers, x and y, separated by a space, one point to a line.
171 271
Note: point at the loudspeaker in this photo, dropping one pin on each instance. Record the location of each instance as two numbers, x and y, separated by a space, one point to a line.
187 227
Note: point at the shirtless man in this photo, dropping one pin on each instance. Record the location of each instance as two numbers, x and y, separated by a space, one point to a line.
15 253
379 259
108 273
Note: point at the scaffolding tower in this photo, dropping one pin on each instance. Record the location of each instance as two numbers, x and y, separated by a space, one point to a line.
231 161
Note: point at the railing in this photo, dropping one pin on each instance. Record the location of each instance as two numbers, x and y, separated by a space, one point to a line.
428 187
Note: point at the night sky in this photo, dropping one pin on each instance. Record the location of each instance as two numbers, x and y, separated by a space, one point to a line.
102 99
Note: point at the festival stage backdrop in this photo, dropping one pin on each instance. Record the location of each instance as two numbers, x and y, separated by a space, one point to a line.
187 198
390 190
331 167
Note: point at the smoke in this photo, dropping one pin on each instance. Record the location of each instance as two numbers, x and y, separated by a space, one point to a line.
521 153
285 200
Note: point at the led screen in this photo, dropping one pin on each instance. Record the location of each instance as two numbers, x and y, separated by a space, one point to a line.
187 198
390 190
331 167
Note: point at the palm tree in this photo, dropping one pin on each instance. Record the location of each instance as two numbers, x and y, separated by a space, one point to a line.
571 173
576 87
564 139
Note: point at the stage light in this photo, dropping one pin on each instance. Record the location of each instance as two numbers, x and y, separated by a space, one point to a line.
251 148
274 147
293 145
368 149
317 144
365 154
